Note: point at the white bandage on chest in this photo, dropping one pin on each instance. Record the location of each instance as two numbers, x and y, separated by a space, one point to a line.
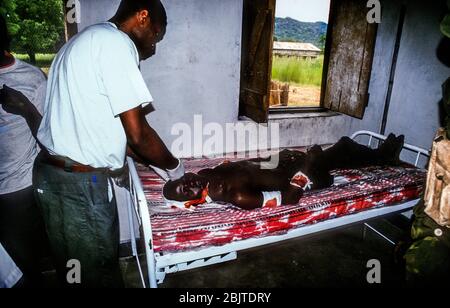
302 181
271 198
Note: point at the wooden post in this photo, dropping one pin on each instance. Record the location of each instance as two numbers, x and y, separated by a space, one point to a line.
284 97
274 93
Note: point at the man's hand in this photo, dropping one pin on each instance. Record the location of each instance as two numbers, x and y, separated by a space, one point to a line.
14 101
123 179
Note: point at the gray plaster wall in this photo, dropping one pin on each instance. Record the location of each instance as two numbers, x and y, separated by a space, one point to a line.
196 71
417 88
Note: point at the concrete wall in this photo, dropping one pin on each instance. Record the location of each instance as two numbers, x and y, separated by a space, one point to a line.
196 71
419 75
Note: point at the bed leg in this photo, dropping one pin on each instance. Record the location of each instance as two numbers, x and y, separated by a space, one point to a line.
151 267
133 238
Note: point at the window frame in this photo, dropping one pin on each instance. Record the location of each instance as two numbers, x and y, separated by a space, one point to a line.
326 85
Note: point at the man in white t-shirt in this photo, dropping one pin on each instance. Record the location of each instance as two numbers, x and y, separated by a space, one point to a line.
22 232
93 116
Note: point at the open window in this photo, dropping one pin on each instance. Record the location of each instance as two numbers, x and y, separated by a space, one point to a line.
340 64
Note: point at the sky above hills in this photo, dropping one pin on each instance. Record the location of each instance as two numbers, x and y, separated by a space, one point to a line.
304 10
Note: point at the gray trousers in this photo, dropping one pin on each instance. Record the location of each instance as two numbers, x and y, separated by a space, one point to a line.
82 224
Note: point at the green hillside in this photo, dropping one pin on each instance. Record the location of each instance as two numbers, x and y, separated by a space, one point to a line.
291 30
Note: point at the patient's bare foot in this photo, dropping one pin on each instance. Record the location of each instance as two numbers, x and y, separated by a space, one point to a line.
315 149
390 150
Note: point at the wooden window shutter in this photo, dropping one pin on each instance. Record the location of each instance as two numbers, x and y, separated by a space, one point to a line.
351 50
256 67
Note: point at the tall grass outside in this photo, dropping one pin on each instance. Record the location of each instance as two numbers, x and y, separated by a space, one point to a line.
43 61
297 70
304 77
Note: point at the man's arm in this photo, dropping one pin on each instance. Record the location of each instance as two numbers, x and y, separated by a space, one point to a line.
291 195
144 142
15 102
134 156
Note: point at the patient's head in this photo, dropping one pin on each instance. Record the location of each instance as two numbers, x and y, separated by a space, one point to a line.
189 187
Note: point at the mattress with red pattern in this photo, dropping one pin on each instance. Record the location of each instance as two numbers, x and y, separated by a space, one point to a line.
353 191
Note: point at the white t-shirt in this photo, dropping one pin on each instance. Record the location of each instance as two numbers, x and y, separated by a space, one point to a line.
94 78
18 148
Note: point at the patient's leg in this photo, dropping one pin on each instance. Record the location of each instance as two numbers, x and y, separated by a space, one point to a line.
350 154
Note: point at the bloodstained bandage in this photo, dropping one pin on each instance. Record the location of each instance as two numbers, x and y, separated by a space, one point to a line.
271 199
302 181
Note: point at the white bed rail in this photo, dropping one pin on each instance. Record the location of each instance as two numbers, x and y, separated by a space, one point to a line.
158 265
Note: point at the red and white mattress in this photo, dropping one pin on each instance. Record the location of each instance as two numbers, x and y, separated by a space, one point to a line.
353 191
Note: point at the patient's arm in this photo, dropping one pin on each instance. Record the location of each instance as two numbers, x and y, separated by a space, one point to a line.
246 199
291 195
249 199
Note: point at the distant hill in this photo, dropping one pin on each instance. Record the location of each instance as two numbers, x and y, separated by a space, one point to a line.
291 30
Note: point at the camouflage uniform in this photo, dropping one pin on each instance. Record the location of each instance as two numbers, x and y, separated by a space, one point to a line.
428 258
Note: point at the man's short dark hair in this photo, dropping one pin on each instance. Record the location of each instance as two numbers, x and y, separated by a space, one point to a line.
157 12
4 36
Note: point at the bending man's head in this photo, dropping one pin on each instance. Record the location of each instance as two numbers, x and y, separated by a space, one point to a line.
189 187
145 21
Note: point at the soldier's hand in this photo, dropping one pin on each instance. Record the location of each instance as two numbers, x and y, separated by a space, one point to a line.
14 101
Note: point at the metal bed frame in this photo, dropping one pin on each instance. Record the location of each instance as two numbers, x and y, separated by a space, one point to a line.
158 265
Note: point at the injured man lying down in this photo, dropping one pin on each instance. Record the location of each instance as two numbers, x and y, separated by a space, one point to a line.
250 184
